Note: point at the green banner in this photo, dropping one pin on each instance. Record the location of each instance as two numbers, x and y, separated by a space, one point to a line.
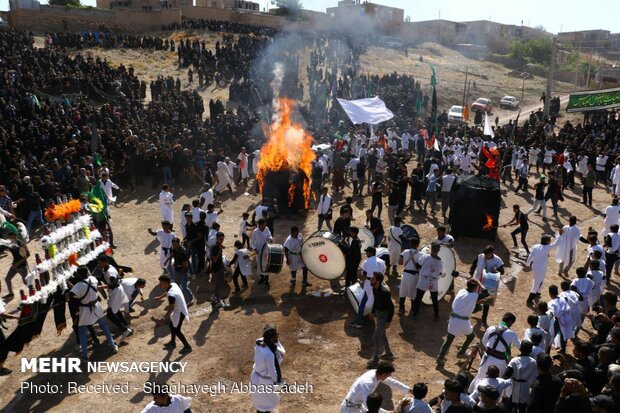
594 100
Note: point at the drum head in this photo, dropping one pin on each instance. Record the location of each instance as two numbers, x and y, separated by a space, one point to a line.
264 258
409 232
449 264
366 238
355 293
322 255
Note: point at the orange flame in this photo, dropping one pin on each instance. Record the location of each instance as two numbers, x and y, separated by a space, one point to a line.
288 148
489 224
291 194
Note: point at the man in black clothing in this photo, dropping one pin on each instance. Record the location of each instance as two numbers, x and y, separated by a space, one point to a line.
20 253
198 243
353 257
218 269
377 194
546 388
383 312
191 231
343 224
376 227
519 219
574 397
539 199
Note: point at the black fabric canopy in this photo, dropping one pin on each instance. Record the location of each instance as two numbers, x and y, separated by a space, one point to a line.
473 197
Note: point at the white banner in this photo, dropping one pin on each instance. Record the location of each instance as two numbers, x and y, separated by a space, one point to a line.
370 110
488 130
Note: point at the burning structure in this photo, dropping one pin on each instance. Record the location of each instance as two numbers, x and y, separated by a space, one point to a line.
475 205
285 164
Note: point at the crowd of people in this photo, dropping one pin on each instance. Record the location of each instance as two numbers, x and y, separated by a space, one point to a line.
55 147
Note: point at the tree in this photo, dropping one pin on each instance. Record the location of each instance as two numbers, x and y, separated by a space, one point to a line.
65 3
532 51
289 8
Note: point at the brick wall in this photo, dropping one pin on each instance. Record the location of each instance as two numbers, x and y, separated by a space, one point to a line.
53 18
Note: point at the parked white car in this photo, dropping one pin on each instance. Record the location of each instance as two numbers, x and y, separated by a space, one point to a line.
509 102
455 114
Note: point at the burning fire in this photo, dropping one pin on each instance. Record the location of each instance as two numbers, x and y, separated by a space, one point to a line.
288 148
489 224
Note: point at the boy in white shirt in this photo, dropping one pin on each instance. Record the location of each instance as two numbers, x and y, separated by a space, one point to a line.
244 266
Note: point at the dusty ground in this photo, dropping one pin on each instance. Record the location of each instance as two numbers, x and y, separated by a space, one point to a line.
321 348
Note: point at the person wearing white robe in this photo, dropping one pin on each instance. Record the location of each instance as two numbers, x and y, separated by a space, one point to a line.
176 313
584 287
117 299
395 244
266 374
261 236
522 372
207 197
168 403
538 262
166 202
90 311
242 158
355 400
459 323
224 177
566 251
164 237
612 215
572 299
409 281
495 349
561 319
255 161
292 250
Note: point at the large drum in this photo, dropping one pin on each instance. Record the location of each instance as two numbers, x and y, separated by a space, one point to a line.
445 281
490 280
355 293
322 255
409 233
366 238
271 258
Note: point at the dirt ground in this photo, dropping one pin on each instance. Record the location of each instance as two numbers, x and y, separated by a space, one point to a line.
322 349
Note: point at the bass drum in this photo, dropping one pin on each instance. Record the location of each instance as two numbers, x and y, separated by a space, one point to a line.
409 233
449 265
271 258
355 293
366 238
322 255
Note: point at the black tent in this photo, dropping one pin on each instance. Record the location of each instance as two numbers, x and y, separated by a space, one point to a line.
474 199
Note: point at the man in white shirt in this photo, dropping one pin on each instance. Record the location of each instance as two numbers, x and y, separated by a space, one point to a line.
176 312
497 341
292 250
207 196
324 209
484 263
163 402
612 215
107 185
369 267
261 236
431 268
164 237
538 262
224 178
243 166
409 281
355 400
548 158
166 202
566 251
85 291
459 324
447 181
601 164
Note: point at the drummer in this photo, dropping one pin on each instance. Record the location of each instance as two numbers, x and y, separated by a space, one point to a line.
431 268
409 281
486 262
369 267
375 226
353 257
292 251
261 236
443 238
395 237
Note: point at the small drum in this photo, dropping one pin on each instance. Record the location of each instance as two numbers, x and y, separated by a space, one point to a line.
366 238
490 280
445 281
322 255
409 233
355 293
271 258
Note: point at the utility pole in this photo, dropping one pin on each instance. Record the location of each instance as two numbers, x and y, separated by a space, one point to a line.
554 46
465 85
522 88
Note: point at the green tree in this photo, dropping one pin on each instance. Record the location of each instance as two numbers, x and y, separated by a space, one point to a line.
289 8
65 3
532 51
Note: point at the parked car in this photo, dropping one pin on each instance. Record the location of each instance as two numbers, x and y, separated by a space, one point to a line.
482 105
509 102
455 114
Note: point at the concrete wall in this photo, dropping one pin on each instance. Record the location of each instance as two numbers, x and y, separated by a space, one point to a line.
53 18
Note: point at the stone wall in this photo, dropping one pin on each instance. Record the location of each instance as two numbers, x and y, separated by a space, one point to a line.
54 18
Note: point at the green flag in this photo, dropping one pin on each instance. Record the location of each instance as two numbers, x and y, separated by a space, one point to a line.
97 193
97 158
